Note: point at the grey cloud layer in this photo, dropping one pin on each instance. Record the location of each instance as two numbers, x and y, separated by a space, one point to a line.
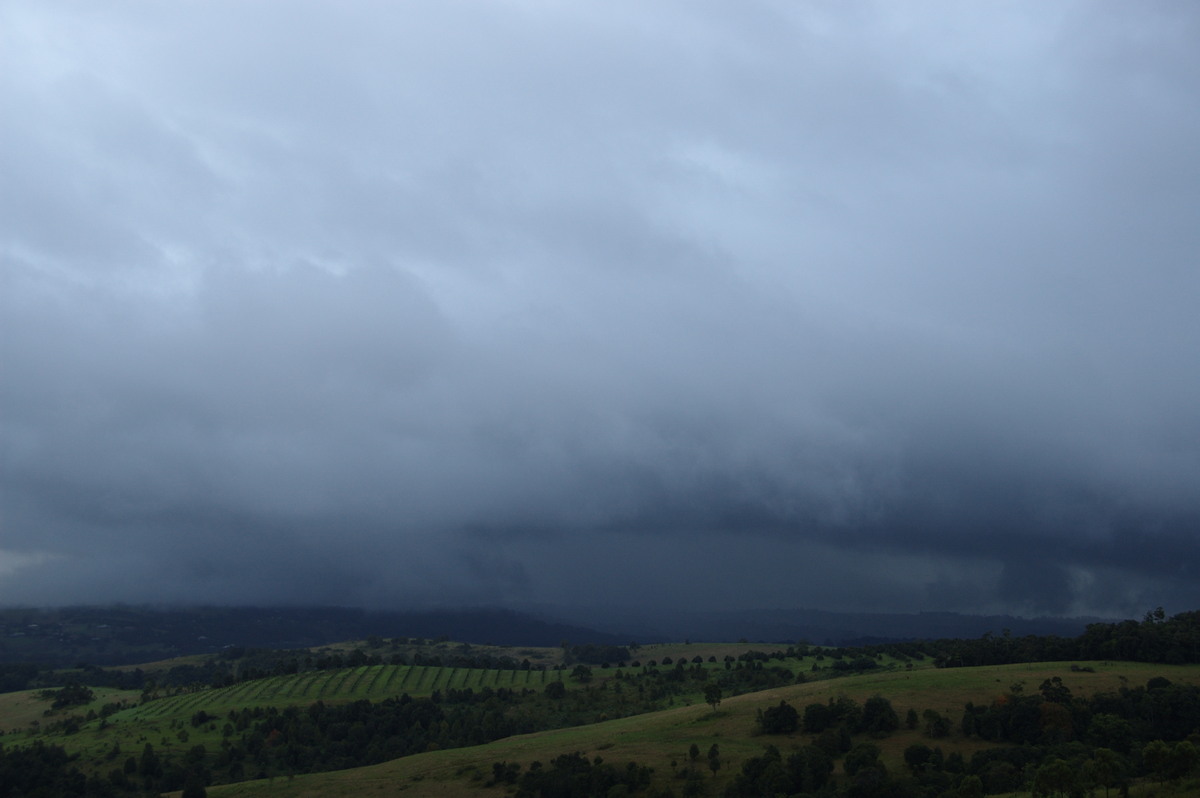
880 305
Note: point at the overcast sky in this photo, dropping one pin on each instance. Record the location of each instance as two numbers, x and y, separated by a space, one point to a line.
849 305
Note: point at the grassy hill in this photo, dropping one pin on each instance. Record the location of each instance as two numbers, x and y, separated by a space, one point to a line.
662 740
118 724
650 710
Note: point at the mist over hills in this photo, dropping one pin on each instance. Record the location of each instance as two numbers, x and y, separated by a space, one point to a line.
822 627
125 634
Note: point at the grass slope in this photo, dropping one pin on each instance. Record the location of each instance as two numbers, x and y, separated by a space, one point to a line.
371 682
20 711
165 722
661 740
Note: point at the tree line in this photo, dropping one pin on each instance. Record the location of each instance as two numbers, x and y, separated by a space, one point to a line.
1054 744
1156 638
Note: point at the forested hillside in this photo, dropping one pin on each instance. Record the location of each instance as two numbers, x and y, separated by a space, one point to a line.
937 719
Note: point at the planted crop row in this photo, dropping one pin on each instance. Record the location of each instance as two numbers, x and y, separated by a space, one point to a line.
373 682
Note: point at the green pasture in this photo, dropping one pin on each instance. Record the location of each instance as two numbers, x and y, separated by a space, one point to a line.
165 721
370 682
19 712
661 739
655 739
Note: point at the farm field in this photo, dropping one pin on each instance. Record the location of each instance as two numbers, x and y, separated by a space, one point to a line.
371 682
18 711
377 682
165 721
661 740
689 716
168 721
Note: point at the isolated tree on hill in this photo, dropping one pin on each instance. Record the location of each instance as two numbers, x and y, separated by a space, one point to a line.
712 695
935 725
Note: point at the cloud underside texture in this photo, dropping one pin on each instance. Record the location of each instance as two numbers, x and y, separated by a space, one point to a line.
866 306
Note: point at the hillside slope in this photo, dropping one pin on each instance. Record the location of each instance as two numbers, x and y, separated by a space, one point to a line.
662 740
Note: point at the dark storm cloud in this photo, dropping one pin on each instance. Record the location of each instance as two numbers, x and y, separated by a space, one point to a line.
850 306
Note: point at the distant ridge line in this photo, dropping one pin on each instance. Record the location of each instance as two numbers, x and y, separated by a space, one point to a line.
124 634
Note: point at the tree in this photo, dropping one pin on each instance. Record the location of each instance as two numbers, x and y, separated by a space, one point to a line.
1111 731
809 768
818 718
863 755
783 719
1183 760
869 782
556 690
714 759
1054 777
693 752
935 725
712 695
917 756
1108 768
1157 756
194 789
970 787
1054 691
149 765
878 716
847 711
73 695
